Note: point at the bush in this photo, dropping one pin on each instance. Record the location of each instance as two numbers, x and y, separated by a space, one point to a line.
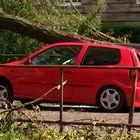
29 133
10 129
11 43
129 32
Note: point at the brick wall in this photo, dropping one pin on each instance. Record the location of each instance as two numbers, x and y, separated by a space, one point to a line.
117 10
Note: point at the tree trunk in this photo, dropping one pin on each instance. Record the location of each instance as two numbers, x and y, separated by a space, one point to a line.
38 32
44 34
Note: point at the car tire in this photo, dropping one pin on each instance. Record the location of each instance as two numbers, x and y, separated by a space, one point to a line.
6 94
110 99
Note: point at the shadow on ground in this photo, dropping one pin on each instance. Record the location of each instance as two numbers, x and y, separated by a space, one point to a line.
70 108
78 108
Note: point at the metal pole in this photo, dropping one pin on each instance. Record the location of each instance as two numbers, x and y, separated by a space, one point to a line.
61 100
132 100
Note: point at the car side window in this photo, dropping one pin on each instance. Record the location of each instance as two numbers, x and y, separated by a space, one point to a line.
101 56
60 55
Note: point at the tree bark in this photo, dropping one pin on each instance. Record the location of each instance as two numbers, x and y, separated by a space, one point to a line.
32 30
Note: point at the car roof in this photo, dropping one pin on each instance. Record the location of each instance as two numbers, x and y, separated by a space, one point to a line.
80 44
94 44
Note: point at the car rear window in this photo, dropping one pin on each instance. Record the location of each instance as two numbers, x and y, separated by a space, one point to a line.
101 56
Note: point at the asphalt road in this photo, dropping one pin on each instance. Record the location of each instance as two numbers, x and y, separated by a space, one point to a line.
82 113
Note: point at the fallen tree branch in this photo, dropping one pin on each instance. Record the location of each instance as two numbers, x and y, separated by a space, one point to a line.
34 101
43 34
25 27
101 34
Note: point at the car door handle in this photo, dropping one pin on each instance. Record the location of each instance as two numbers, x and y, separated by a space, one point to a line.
69 71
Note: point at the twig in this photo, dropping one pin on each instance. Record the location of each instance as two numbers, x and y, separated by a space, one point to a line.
26 116
34 101
100 33
122 132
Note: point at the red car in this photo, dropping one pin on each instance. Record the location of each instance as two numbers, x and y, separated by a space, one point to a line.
110 89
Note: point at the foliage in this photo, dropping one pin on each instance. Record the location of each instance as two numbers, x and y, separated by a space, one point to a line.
94 16
38 131
11 43
11 129
124 32
52 14
47 13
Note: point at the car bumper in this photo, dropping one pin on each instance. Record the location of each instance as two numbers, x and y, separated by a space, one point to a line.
128 95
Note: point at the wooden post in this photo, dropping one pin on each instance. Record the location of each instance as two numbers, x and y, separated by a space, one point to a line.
61 100
134 76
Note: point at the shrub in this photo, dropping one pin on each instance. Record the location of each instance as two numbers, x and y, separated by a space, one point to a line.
11 43
129 32
11 129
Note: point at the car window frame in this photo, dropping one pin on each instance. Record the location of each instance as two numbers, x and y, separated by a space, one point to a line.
81 63
65 45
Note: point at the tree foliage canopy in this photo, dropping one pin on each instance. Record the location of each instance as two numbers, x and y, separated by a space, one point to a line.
49 14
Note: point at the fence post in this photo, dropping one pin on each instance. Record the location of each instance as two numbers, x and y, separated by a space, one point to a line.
134 76
61 100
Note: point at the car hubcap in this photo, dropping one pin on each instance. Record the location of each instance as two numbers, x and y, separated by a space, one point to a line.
3 93
110 99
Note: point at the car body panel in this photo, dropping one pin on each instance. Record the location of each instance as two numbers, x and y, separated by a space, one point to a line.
82 84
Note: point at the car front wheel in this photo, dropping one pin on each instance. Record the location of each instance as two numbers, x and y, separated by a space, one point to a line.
110 99
5 92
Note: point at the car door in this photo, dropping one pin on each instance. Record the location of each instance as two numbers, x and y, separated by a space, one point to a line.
89 80
35 81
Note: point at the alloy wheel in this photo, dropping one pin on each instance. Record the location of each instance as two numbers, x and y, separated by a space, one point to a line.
3 93
110 98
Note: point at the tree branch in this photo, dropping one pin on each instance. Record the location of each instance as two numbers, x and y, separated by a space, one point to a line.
101 34
34 101
24 27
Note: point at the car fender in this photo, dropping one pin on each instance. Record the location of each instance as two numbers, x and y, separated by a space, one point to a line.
118 84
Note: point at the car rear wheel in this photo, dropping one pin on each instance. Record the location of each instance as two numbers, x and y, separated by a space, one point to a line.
5 92
110 99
